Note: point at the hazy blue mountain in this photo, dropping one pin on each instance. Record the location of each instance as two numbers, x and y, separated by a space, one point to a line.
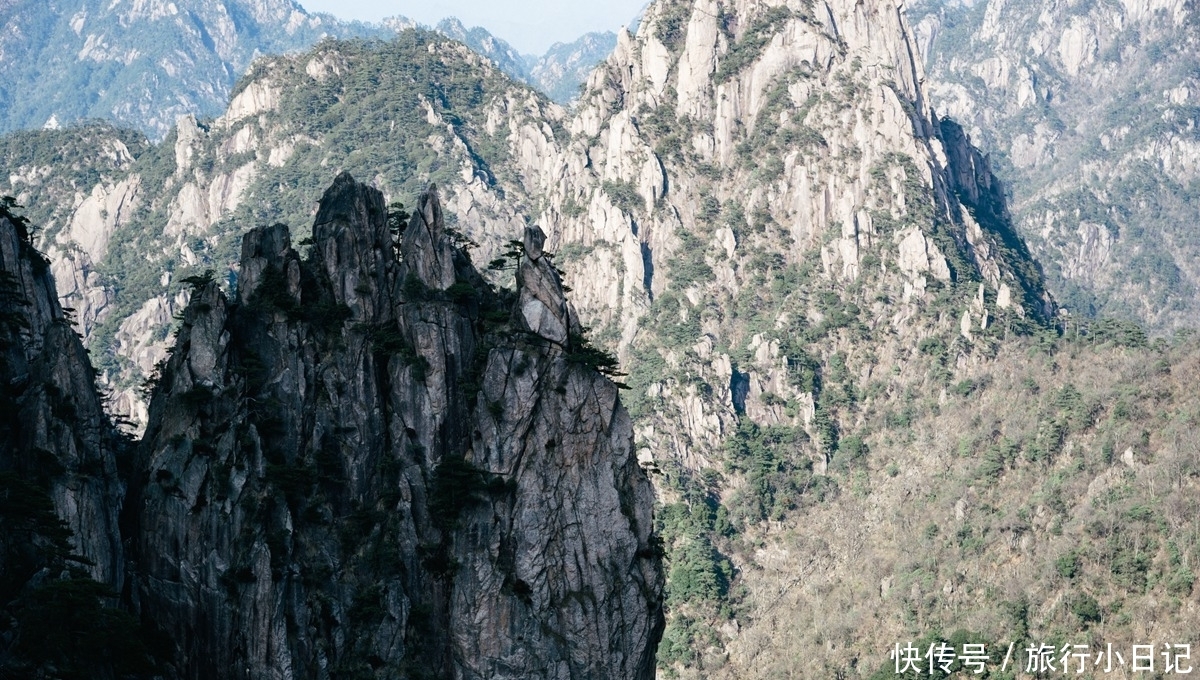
144 63
565 66
558 73
141 62
479 39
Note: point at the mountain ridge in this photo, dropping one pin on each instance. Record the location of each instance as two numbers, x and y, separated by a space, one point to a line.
1088 110
149 63
389 430
122 65
346 462
865 418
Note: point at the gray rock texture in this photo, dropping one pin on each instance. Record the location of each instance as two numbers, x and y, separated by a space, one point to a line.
61 556
1089 112
543 309
352 469
53 429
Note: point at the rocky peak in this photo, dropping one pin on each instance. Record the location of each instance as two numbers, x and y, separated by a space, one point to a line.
173 210
358 461
796 128
264 248
425 247
544 310
353 248
55 427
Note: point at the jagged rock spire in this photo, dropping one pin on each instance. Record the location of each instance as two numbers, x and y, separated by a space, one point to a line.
542 305
426 251
262 248
287 452
54 433
534 240
352 241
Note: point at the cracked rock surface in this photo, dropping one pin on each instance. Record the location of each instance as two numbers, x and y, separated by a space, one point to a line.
367 463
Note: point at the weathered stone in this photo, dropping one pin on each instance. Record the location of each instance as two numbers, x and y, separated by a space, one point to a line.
427 252
262 247
542 305
535 239
298 472
54 433
354 247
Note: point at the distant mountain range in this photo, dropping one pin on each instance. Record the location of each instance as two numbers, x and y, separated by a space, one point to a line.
143 63
558 73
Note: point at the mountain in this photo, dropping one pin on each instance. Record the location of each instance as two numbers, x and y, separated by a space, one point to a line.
61 487
124 231
366 458
558 73
866 420
1090 111
764 216
143 64
505 56
757 138
869 424
564 67
140 63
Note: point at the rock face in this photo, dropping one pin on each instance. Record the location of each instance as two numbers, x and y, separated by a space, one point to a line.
54 426
165 212
733 155
544 310
60 492
686 96
357 464
1090 110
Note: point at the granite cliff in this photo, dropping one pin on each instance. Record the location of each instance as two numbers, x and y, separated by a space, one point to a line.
749 186
864 416
124 221
358 463
1090 111
61 487
367 461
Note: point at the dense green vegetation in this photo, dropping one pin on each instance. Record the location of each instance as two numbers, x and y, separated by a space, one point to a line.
1027 436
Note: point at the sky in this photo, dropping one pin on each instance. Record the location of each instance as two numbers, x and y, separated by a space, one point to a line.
529 25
